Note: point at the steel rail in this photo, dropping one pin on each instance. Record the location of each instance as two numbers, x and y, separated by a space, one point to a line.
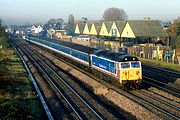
72 89
178 94
46 108
53 84
156 107
159 100
161 82
172 73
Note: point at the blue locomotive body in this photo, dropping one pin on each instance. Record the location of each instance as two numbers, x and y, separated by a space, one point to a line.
103 64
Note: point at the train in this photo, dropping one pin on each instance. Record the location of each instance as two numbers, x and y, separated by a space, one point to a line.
119 69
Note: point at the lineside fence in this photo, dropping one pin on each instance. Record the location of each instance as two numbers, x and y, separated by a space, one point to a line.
162 53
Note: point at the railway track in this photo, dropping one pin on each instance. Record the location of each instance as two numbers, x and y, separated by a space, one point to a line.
147 100
175 90
166 80
162 70
161 104
44 104
79 105
83 110
49 89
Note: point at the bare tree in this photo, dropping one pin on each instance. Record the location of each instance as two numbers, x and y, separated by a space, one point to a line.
114 14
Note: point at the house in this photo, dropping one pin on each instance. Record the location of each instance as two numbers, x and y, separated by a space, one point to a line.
77 29
36 29
51 32
60 33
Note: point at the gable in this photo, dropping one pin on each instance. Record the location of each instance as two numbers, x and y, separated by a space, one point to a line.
128 32
39 27
93 30
103 30
86 29
114 31
33 27
77 29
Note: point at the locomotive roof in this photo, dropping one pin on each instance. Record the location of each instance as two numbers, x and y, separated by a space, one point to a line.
115 56
78 47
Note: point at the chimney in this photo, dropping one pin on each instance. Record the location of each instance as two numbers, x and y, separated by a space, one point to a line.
147 18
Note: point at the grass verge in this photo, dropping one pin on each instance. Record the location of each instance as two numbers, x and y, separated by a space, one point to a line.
18 99
157 63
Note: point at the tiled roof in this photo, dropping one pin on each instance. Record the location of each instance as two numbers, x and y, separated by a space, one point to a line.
81 27
89 25
108 25
98 26
150 28
120 25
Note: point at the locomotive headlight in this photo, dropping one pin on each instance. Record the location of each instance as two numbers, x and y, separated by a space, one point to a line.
125 73
137 72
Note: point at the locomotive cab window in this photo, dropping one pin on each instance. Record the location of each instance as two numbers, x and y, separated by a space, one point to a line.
125 65
135 64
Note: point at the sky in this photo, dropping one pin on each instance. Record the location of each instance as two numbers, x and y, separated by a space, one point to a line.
39 11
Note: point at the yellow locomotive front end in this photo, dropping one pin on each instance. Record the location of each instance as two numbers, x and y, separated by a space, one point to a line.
130 71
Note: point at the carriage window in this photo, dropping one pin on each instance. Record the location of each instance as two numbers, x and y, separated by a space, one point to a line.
125 65
135 65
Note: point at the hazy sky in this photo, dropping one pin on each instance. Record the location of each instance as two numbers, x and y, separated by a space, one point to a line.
39 11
